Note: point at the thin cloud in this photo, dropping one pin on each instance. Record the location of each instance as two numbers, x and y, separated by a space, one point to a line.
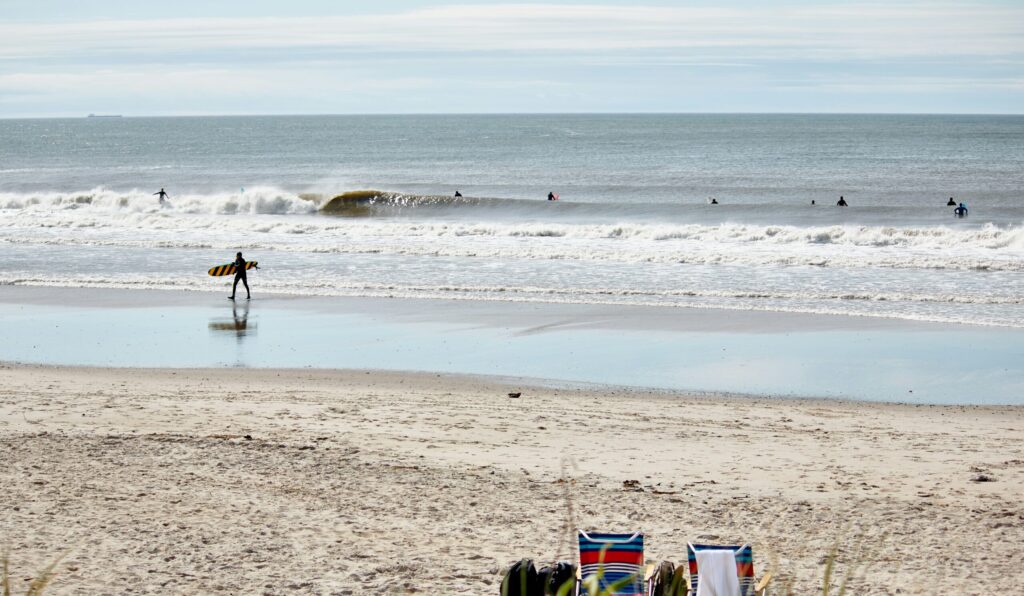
913 56
863 31
215 81
918 85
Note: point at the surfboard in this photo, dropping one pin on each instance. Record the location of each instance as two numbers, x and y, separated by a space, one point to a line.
229 269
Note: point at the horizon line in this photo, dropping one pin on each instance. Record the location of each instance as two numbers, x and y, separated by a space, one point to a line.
423 114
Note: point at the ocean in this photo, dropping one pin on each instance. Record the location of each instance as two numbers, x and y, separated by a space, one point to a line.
633 224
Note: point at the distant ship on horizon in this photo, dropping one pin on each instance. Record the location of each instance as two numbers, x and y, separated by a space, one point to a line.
103 116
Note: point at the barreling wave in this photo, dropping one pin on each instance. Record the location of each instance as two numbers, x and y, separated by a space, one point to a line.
358 203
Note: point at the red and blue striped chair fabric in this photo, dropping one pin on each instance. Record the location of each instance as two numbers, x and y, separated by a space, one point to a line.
613 558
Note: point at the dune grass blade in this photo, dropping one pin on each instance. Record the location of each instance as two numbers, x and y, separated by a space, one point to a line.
616 586
830 563
522 583
566 588
4 578
592 585
43 579
678 587
37 585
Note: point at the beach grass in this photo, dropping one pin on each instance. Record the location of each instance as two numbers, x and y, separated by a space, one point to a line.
36 585
862 545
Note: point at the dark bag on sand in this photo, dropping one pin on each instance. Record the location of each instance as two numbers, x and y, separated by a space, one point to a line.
662 580
522 580
553 578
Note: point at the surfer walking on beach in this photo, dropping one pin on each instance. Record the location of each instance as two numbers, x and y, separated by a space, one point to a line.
162 195
240 275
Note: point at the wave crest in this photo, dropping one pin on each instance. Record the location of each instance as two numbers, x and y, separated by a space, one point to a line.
253 201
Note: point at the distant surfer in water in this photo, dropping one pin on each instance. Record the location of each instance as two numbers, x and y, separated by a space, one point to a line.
950 202
458 195
240 275
552 196
960 211
162 195
842 202
713 201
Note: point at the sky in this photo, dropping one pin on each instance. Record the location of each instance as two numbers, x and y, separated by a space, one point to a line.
190 57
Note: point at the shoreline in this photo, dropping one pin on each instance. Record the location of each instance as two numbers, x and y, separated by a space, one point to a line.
387 482
686 317
514 383
747 353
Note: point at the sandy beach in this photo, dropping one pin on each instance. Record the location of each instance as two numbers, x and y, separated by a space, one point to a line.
230 481
333 298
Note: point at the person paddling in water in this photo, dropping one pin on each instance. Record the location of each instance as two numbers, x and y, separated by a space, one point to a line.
240 276
162 195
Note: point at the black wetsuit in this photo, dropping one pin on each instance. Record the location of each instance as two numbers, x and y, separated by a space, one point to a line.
240 275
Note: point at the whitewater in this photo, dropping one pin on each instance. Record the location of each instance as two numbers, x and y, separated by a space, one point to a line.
78 211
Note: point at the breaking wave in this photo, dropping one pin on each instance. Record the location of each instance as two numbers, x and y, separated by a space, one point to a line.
268 218
253 201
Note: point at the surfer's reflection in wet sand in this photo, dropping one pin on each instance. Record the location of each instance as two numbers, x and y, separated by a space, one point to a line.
238 324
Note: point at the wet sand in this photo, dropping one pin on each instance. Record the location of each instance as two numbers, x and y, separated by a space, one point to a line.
680 349
229 481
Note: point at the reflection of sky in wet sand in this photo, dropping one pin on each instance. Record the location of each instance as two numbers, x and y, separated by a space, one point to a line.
915 363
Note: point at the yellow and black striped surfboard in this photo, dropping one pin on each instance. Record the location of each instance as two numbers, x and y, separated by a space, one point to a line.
229 269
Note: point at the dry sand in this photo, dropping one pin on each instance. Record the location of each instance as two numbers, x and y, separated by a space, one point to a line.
375 483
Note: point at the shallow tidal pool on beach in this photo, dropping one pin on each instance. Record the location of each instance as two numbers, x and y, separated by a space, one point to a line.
702 350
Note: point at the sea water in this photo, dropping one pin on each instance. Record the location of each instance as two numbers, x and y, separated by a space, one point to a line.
633 224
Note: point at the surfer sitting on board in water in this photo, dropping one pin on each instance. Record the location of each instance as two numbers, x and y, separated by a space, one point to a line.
950 202
240 275
458 195
162 195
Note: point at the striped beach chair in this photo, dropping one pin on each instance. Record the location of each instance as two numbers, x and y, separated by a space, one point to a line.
612 563
748 585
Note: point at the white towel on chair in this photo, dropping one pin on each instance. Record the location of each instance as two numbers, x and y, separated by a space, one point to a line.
716 573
